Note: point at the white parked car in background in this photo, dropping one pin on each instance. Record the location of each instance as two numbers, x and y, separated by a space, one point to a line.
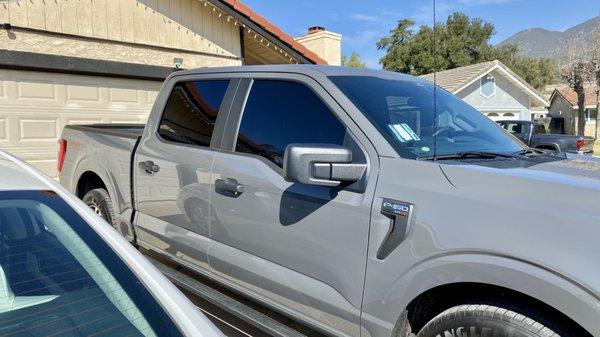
64 271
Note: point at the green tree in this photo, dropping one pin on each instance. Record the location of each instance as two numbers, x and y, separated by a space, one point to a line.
354 61
457 42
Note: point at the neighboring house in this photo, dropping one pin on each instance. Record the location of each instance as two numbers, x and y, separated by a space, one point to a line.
88 61
563 110
492 88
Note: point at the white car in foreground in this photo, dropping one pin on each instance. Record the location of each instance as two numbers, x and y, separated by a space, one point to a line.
64 271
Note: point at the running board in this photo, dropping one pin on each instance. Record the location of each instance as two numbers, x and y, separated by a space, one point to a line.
226 303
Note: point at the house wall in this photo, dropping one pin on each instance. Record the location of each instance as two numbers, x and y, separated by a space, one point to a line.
507 98
139 31
590 129
327 45
559 107
36 105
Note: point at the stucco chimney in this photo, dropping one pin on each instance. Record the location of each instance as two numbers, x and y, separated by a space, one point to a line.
326 44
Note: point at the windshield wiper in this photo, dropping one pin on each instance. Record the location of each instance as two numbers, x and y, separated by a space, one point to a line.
467 155
529 151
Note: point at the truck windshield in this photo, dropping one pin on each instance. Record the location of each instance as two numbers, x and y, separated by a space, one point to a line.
403 111
58 277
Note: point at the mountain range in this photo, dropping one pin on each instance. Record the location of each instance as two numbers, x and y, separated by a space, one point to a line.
540 42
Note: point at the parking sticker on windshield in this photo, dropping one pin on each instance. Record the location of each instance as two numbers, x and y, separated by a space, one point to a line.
403 132
410 131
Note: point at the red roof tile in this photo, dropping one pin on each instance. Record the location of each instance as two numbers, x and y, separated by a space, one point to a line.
571 96
243 9
271 28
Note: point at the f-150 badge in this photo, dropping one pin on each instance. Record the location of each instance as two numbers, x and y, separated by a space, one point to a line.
395 208
400 219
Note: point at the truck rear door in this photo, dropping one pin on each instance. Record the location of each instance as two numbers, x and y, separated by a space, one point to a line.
172 166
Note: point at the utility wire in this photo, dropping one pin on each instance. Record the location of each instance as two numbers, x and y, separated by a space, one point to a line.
435 114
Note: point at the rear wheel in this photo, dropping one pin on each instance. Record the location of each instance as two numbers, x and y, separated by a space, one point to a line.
483 320
99 201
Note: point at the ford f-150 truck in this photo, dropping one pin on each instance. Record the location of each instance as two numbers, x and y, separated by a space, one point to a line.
533 134
347 200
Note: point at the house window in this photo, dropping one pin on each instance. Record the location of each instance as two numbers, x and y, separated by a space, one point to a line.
590 115
488 86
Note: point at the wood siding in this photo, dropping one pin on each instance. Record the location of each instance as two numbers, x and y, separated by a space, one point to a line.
180 24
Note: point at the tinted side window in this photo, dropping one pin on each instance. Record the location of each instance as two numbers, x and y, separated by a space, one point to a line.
191 111
279 113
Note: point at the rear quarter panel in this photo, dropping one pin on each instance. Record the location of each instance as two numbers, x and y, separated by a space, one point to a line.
107 156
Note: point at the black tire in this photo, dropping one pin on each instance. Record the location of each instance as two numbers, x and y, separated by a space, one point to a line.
99 201
483 320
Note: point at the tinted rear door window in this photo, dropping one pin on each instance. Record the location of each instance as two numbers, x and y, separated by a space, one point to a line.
191 111
279 113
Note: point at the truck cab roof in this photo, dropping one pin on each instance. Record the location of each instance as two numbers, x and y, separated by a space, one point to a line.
305 69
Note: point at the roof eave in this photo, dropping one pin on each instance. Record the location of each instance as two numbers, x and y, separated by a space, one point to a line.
244 14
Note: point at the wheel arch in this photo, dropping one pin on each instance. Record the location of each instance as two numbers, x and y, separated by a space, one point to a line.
432 302
548 146
88 181
447 278
89 168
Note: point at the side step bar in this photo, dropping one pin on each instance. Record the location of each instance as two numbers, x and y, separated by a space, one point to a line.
243 312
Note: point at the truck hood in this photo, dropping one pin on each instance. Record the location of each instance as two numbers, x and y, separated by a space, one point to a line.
572 181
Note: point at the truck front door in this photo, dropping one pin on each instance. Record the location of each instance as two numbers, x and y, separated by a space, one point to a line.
172 169
299 247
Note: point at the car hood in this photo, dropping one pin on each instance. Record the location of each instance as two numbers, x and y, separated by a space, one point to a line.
572 181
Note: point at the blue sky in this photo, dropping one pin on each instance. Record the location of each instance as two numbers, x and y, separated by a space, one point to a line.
364 22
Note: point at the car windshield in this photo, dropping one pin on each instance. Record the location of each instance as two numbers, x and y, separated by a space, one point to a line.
403 111
58 277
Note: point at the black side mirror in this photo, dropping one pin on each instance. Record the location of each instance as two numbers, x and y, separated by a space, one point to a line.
320 164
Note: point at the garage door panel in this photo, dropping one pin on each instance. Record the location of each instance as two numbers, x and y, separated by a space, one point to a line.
124 95
83 121
83 93
35 106
3 129
36 90
44 165
38 129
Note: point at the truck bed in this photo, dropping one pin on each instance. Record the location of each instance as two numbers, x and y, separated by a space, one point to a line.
105 151
119 130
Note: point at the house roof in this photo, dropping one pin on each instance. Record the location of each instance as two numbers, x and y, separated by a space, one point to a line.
570 95
272 29
457 79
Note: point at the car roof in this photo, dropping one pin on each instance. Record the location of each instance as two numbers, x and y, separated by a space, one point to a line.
14 177
306 69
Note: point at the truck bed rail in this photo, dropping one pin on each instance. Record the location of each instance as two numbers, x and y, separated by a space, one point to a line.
120 130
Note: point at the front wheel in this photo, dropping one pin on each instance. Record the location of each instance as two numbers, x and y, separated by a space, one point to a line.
99 201
483 320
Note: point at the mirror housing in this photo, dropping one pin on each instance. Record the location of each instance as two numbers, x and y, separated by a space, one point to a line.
320 164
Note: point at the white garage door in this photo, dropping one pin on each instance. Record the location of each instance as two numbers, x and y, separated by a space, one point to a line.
35 106
503 115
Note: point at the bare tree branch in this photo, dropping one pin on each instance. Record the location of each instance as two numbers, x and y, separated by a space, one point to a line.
576 71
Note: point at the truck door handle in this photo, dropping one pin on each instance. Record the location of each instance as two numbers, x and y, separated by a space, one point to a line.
229 187
149 166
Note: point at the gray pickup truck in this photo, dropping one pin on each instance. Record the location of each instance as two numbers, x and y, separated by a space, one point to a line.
348 201
534 135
